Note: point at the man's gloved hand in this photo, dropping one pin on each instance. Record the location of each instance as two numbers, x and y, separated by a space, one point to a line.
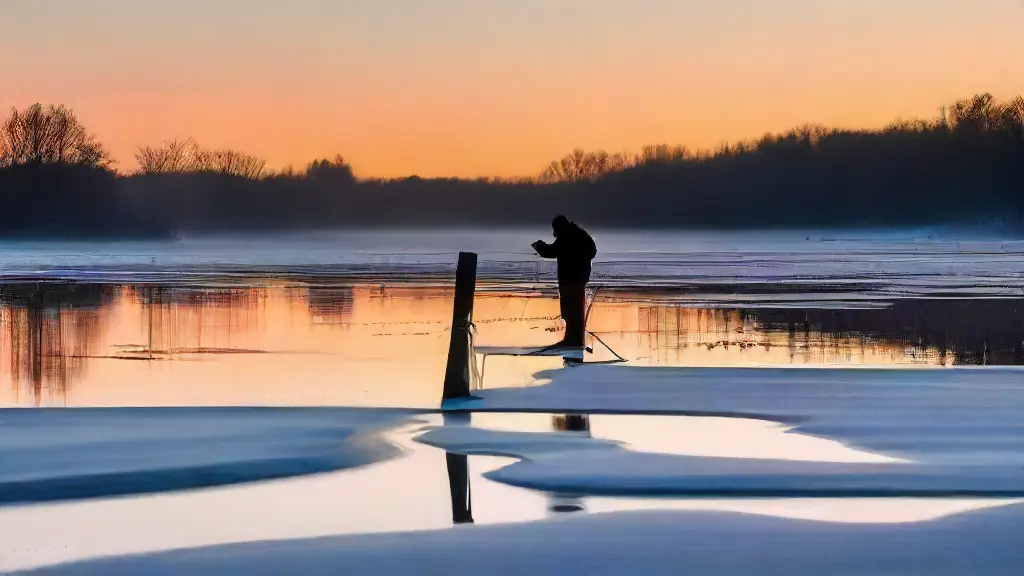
536 245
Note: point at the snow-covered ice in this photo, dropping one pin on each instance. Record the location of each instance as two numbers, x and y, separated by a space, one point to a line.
578 464
88 453
953 416
411 492
984 542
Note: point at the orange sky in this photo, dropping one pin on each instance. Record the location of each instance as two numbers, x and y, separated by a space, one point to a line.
495 87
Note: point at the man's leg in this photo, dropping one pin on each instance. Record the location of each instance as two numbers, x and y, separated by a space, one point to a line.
564 307
572 301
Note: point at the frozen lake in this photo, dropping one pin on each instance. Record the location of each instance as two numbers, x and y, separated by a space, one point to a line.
852 399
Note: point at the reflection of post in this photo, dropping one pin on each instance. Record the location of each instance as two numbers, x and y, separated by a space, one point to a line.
458 474
456 375
458 484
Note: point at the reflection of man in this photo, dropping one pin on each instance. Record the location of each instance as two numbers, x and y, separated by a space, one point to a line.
574 249
571 423
565 502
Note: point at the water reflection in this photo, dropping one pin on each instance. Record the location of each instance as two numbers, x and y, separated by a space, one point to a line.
942 332
458 483
458 464
332 306
458 476
368 344
49 332
946 331
560 502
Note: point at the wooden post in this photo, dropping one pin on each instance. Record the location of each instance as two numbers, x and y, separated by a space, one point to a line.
456 374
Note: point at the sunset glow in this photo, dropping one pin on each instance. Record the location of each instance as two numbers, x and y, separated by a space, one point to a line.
495 87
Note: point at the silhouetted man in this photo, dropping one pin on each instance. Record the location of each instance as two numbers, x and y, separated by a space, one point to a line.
574 249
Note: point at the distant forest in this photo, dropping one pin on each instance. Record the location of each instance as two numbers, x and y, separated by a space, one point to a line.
966 165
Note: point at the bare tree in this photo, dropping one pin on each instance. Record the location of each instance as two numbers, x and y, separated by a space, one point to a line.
232 162
912 126
172 157
983 113
1011 117
336 168
49 135
582 166
974 114
662 154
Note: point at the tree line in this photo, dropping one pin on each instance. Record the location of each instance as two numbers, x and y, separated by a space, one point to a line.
965 164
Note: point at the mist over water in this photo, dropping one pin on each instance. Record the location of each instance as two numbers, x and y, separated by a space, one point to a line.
867 262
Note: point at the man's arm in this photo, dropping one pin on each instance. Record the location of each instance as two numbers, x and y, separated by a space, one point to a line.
545 250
